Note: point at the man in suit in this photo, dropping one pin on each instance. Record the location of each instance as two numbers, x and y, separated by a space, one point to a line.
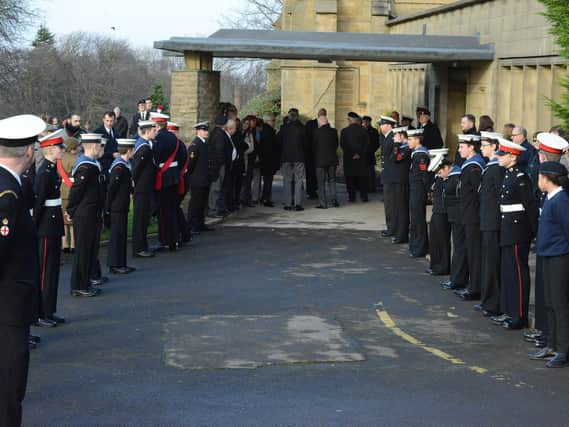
292 137
111 151
325 140
372 148
19 267
121 124
199 168
309 155
270 157
432 138
140 116
220 150
354 140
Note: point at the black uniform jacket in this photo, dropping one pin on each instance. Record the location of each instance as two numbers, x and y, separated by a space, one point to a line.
469 199
143 169
19 269
199 165
119 188
432 136
419 175
164 146
438 189
490 189
399 163
450 194
48 219
373 145
87 194
325 141
354 139
519 225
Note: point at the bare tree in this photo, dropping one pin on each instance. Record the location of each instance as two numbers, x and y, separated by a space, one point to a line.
15 16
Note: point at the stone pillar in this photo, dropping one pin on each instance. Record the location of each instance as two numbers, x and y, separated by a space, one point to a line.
195 93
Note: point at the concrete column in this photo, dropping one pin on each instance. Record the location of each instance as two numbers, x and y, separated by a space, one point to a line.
195 93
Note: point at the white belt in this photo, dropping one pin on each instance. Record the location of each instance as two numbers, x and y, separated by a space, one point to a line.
512 208
172 165
52 203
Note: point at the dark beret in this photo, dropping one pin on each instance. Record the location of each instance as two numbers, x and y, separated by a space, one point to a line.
553 168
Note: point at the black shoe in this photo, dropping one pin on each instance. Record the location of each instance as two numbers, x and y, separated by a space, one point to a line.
540 342
269 204
35 338
94 282
45 323
488 313
335 203
499 320
365 200
321 207
119 270
460 291
451 286
88 293
144 254
57 319
206 228
397 241
412 255
514 325
32 345
542 354
298 208
559 361
469 296
66 251
533 334
288 208
478 307
386 233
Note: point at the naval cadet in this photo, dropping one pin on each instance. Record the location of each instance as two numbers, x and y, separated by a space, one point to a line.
19 269
553 248
117 205
419 182
399 163
439 226
48 218
469 210
201 172
518 227
490 188
85 207
143 174
388 178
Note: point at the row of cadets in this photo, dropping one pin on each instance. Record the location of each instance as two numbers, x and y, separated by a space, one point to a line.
200 171
419 181
399 161
144 176
117 206
85 207
48 217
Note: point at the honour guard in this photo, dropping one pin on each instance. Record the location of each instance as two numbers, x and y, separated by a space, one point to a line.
200 174
48 218
19 267
490 188
117 206
469 210
85 207
144 176
419 181
439 226
165 149
400 161
518 227
386 125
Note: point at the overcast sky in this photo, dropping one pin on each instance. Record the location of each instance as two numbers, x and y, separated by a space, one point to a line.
135 20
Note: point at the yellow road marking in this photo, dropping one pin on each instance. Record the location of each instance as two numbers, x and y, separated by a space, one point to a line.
390 324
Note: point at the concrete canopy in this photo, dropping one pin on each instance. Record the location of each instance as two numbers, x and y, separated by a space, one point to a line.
327 47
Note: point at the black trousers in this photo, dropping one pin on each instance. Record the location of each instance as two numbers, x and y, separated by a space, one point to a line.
14 363
439 243
96 265
87 236
515 281
556 281
119 235
197 207
142 211
267 194
50 265
490 271
418 237
185 231
473 255
388 196
236 189
168 229
310 169
541 308
355 184
458 265
400 212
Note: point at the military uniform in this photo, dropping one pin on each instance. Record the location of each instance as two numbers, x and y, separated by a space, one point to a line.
398 165
18 273
419 178
439 230
199 173
183 188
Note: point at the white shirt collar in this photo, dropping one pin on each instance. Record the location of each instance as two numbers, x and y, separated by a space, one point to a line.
14 174
203 139
554 193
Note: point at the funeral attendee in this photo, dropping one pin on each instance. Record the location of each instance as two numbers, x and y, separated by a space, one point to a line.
372 149
468 125
19 267
140 116
64 168
111 150
529 160
165 150
148 106
485 124
121 124
232 153
251 156
407 121
48 218
386 125
354 140
518 227
220 153
325 141
85 206
270 157
199 172
490 189
117 206
395 116
553 248
419 182
507 130
432 138
469 208
312 186
292 138
143 175
398 165
439 226
72 126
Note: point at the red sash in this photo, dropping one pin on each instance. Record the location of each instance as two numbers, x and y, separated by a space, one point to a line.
182 184
164 168
63 174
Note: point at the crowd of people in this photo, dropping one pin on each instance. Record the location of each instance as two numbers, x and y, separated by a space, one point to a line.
61 186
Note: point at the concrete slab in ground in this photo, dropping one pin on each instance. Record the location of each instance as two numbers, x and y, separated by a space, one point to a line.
247 342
